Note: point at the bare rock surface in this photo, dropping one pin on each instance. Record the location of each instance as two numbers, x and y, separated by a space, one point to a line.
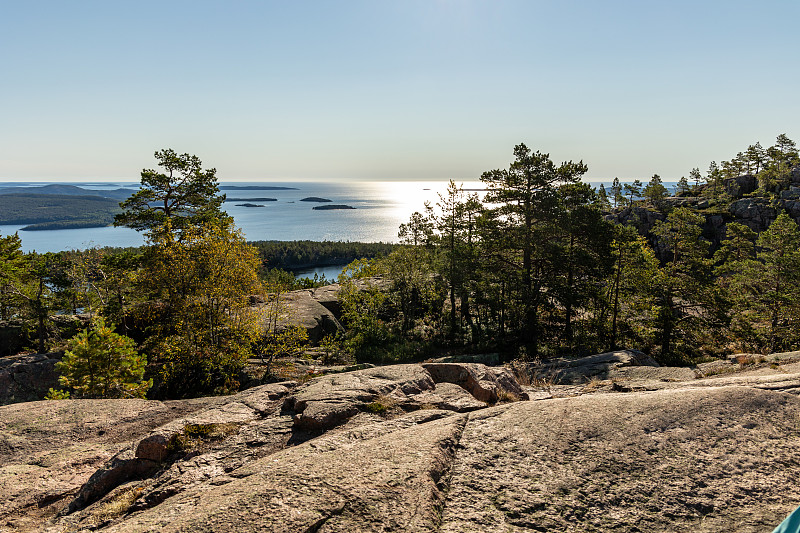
575 371
415 448
391 482
49 449
332 399
451 397
710 460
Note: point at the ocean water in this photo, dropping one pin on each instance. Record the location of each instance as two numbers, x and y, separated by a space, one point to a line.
380 208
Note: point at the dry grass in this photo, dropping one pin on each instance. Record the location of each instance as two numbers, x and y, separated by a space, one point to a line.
118 505
748 359
593 384
527 376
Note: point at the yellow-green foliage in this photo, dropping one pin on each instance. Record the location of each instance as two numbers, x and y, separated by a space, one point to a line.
102 364
56 394
202 326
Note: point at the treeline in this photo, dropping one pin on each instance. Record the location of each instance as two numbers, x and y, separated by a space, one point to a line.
293 255
535 269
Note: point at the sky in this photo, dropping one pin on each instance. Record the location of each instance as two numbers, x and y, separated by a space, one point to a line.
391 90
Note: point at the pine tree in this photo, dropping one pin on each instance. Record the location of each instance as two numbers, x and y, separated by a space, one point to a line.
99 363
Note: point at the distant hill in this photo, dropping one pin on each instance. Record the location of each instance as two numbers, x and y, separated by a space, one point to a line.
68 190
255 188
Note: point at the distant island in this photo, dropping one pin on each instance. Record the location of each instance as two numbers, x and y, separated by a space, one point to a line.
251 199
250 205
315 199
255 188
67 190
56 211
332 206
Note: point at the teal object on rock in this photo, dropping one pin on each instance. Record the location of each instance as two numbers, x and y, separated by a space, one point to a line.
791 524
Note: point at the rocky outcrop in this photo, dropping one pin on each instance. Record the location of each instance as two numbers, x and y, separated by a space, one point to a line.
642 218
723 459
298 308
604 366
328 295
414 455
687 201
487 384
755 213
740 186
153 452
330 400
27 378
316 310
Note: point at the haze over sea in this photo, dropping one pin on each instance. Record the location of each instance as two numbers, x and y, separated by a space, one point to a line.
380 208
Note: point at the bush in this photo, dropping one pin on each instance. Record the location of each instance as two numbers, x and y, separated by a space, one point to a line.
190 369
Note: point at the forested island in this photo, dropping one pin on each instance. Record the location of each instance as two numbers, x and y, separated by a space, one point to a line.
315 199
327 207
255 188
251 199
56 211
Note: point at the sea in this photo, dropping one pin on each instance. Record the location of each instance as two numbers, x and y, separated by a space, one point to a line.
379 209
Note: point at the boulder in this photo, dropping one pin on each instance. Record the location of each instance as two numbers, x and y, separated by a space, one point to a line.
331 400
741 185
27 378
756 213
299 308
487 384
153 448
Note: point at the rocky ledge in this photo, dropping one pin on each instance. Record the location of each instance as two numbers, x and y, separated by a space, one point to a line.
450 447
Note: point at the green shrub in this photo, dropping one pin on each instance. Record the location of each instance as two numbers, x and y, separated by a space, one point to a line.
100 363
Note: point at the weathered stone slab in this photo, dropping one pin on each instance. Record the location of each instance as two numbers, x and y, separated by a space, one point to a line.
681 460
487 384
576 371
392 482
449 396
330 400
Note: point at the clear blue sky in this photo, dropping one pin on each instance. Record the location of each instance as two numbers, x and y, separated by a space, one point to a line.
375 89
